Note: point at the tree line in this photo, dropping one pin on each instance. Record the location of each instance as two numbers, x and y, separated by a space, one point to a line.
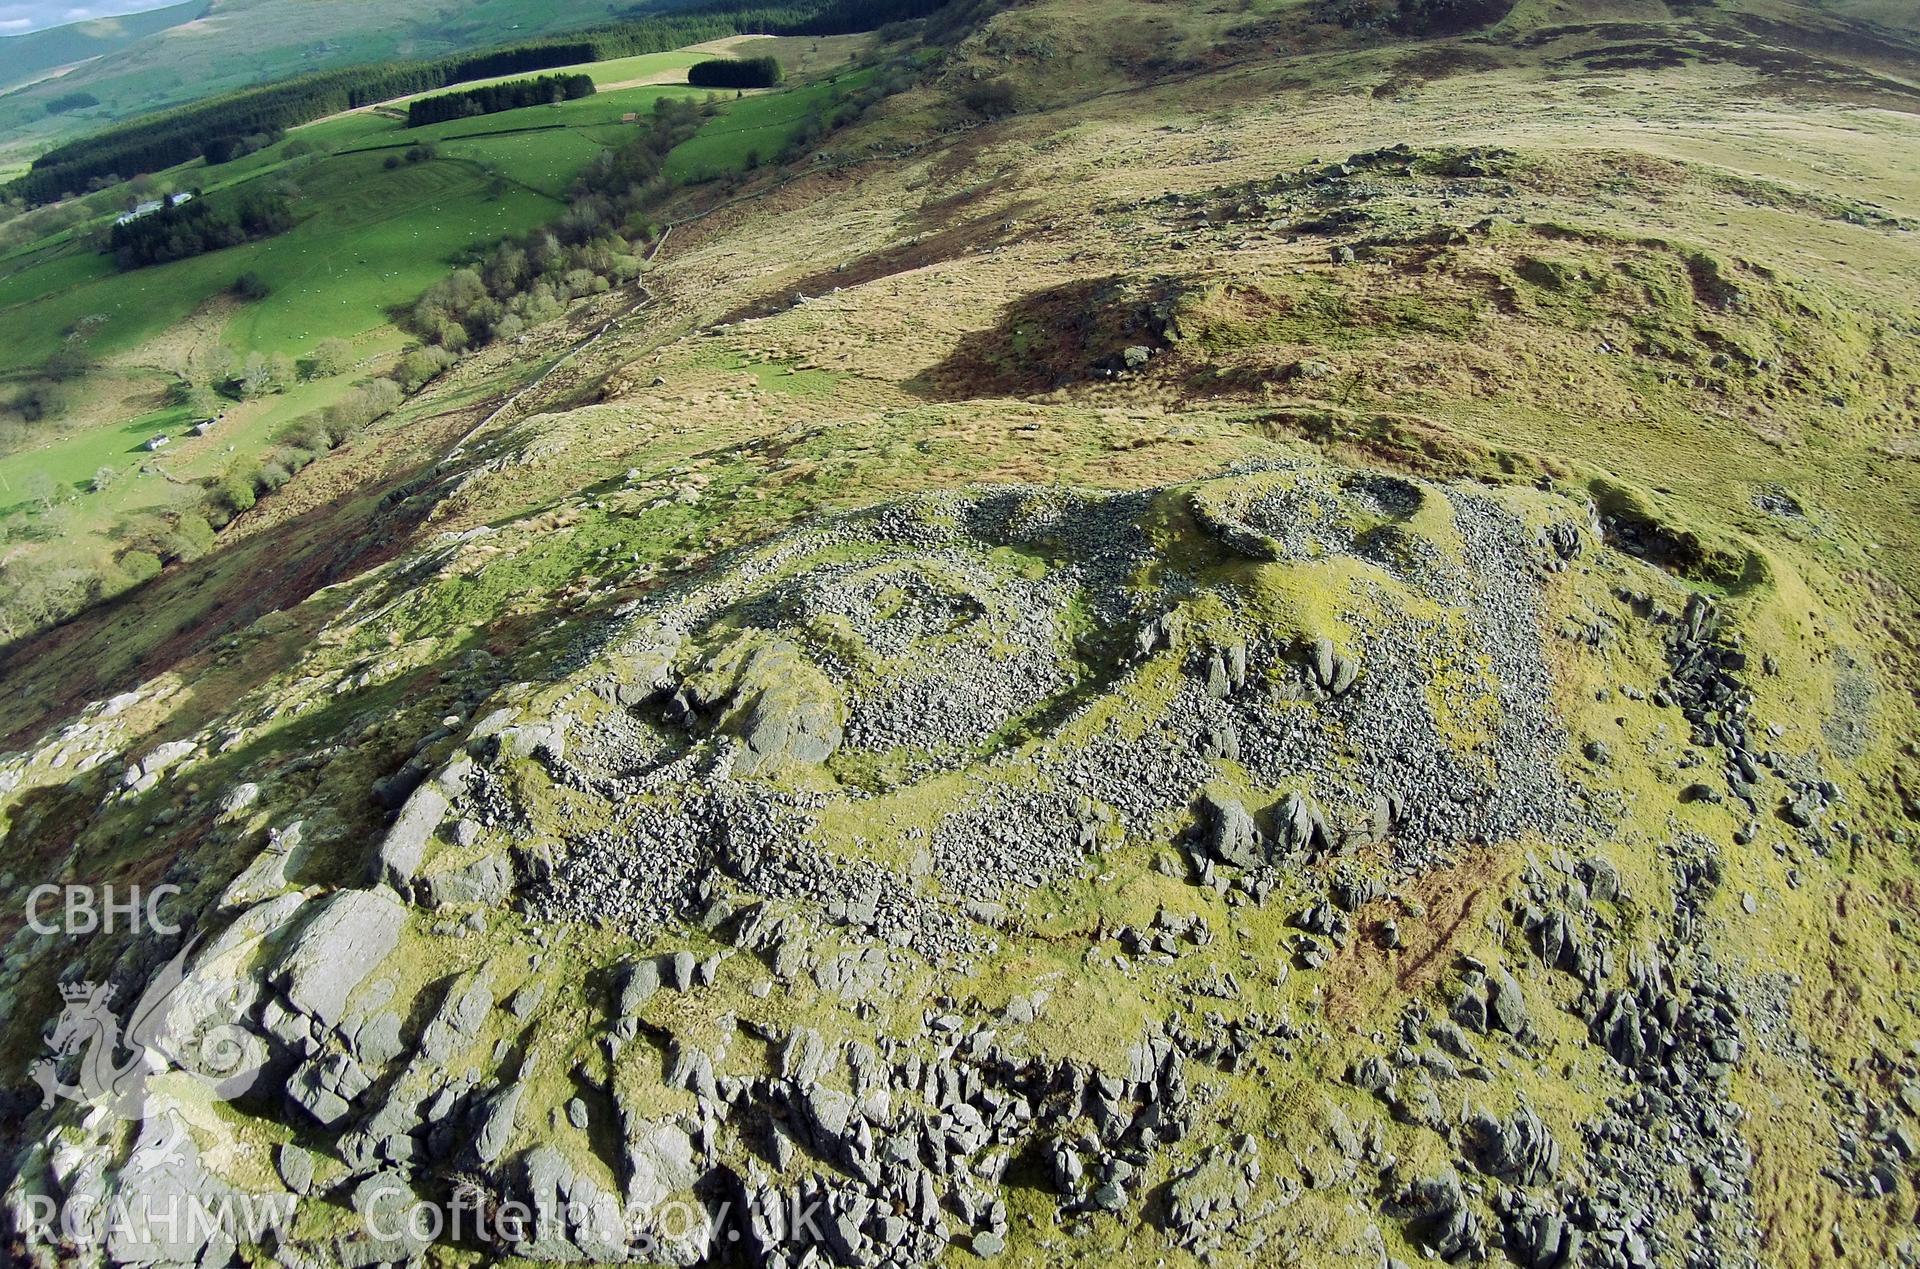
496 294
735 72
525 280
179 230
72 101
171 137
494 98
185 133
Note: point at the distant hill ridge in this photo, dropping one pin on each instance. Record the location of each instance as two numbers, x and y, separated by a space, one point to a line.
24 57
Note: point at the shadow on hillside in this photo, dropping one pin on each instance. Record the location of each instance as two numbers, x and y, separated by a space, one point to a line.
78 831
170 621
1077 332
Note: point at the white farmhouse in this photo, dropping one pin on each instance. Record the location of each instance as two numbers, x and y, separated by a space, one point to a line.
153 205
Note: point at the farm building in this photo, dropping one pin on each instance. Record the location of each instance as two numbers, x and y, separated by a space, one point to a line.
151 206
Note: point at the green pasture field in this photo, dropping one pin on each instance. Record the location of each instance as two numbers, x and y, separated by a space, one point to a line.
246 429
249 42
618 70
757 124
373 231
72 460
370 238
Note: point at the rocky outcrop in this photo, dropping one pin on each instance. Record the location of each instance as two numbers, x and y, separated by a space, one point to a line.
484 882
722 920
405 845
344 939
782 709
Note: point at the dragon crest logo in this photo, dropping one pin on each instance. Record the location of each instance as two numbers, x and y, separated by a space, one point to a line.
115 1060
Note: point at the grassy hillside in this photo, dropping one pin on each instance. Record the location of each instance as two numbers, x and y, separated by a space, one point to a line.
1214 635
369 238
376 225
243 42
756 129
24 58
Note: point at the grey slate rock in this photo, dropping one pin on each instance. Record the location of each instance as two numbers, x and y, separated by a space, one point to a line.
405 846
295 1166
485 881
1299 826
1230 834
662 1159
526 999
165 1174
1444 1223
377 1040
785 726
306 1089
1221 741
1508 1007
350 933
1218 684
1602 878
496 1124
1520 1150
642 980
1470 1010
457 1023
382 1202
1204 1199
